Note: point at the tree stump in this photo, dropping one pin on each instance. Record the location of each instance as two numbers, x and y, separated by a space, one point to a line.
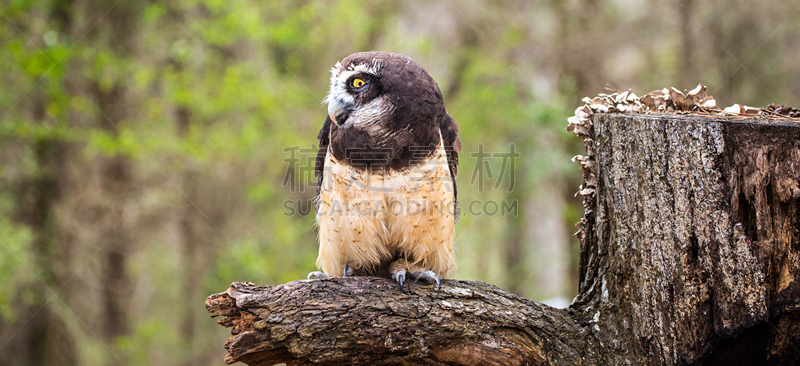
690 254
691 244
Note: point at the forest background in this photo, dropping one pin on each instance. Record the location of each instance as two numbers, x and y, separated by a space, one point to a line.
152 152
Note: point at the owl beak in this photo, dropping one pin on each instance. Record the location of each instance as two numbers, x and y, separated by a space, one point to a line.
336 111
333 118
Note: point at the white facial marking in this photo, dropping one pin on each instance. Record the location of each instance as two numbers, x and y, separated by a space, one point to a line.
338 97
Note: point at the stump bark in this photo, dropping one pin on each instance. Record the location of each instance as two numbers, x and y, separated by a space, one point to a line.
690 254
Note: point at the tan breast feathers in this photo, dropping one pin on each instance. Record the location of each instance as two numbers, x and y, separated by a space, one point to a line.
368 218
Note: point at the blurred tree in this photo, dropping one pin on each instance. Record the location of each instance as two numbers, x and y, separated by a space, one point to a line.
109 92
145 146
38 186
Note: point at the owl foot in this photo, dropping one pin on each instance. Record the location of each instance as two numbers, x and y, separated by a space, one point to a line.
430 277
348 271
399 276
317 275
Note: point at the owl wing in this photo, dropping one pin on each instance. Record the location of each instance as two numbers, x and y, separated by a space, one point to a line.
452 145
324 139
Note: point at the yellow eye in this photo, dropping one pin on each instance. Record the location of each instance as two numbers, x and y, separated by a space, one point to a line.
357 83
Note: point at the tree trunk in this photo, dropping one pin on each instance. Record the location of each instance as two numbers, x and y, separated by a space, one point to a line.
192 242
681 252
690 253
115 105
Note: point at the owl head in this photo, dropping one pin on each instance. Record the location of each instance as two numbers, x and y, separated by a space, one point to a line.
383 96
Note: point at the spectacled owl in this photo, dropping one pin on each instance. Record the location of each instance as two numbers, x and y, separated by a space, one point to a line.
386 171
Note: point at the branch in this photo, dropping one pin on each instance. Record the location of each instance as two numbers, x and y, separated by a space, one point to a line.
367 320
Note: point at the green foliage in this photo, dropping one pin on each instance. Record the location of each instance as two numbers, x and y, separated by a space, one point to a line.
15 264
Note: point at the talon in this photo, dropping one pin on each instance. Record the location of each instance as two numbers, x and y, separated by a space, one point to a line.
430 277
316 275
399 276
348 271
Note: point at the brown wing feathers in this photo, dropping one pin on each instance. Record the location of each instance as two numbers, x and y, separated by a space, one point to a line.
452 145
324 140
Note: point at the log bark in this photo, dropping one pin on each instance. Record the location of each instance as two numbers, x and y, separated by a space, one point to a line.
690 254
692 238
367 320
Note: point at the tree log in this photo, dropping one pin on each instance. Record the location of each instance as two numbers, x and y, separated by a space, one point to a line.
368 320
690 254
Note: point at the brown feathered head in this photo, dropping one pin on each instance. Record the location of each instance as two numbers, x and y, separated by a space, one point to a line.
382 102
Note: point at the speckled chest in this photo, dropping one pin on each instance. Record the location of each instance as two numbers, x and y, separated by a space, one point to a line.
366 217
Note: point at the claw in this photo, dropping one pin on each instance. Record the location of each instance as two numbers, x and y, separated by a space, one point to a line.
399 276
348 271
430 277
316 275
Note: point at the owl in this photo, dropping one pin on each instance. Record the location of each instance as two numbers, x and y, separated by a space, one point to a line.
386 173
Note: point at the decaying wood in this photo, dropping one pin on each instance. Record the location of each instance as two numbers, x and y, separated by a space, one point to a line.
690 254
693 237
